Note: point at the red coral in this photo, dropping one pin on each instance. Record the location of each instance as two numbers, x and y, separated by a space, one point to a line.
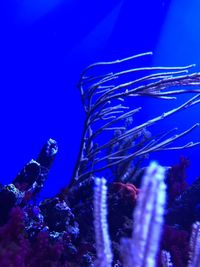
128 192
177 179
176 241
121 201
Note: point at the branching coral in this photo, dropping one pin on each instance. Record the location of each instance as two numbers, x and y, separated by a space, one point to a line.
102 97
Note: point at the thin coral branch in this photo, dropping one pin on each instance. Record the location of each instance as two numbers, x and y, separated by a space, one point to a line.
134 130
112 89
153 89
118 61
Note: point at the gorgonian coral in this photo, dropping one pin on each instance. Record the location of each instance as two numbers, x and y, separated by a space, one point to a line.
109 141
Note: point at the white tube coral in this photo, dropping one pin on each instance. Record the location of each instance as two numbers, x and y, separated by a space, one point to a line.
195 246
166 259
148 217
103 243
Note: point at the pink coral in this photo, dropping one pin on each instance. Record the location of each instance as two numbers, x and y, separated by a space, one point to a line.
14 246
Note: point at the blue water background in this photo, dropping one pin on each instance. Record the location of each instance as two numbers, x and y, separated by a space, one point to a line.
45 44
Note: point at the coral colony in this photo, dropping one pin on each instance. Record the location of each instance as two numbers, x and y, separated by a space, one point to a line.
115 211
